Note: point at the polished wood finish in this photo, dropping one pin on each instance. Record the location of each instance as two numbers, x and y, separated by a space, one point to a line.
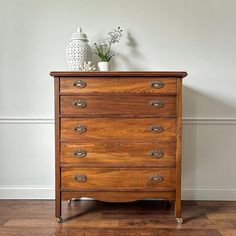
118 179
122 106
94 218
134 85
131 154
123 74
178 150
118 128
121 196
57 149
118 136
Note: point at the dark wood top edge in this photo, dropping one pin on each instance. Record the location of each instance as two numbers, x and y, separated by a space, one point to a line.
161 189
178 74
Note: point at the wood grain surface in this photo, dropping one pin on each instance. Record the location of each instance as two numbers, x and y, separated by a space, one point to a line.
118 128
94 218
118 135
114 196
109 74
117 85
117 179
122 106
119 154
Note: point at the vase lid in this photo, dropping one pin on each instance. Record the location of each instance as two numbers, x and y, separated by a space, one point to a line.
79 35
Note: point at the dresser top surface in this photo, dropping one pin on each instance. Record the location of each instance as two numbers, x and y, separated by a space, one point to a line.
175 74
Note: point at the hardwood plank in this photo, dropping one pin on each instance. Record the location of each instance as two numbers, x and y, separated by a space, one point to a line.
228 232
35 217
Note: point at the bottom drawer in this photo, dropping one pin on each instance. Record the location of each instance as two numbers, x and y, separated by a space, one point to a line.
93 179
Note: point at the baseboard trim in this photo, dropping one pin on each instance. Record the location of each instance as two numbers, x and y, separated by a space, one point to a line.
47 192
27 192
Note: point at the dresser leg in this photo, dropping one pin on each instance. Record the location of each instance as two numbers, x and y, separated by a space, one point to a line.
178 212
58 207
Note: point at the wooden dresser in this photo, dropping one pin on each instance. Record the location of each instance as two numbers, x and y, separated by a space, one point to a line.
118 136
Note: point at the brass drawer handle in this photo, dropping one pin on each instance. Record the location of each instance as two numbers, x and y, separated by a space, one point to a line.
81 103
80 153
156 178
80 128
80 84
81 178
157 128
157 84
157 104
158 153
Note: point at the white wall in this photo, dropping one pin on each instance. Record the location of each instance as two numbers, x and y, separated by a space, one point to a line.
196 36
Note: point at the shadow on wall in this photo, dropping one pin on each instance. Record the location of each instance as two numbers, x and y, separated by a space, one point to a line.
128 57
199 104
204 144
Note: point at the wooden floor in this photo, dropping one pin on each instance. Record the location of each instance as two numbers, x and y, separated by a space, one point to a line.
90 218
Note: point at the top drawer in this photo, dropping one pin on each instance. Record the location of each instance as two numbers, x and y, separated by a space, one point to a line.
83 85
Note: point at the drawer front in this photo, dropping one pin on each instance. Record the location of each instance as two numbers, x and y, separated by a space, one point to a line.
83 85
117 178
152 129
118 105
118 154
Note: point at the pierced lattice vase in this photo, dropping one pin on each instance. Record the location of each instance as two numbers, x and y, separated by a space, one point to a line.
78 51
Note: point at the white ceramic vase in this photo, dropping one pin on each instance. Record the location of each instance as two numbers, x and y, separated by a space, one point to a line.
103 66
78 51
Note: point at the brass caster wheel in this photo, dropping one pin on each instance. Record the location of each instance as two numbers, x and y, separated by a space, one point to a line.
59 220
179 220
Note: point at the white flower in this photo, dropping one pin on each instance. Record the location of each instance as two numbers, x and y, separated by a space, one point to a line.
103 43
115 36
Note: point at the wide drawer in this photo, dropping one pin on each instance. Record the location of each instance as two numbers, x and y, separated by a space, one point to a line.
118 154
92 106
118 178
152 129
83 85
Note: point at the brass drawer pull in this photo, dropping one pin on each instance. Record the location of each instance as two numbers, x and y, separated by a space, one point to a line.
80 128
80 84
81 103
81 178
157 104
158 153
156 178
157 84
157 128
80 153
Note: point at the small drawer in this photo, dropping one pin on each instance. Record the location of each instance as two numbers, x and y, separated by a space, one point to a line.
152 129
149 179
125 106
118 154
82 85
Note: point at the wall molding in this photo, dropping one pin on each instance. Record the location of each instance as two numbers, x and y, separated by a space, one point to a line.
186 120
28 120
47 192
